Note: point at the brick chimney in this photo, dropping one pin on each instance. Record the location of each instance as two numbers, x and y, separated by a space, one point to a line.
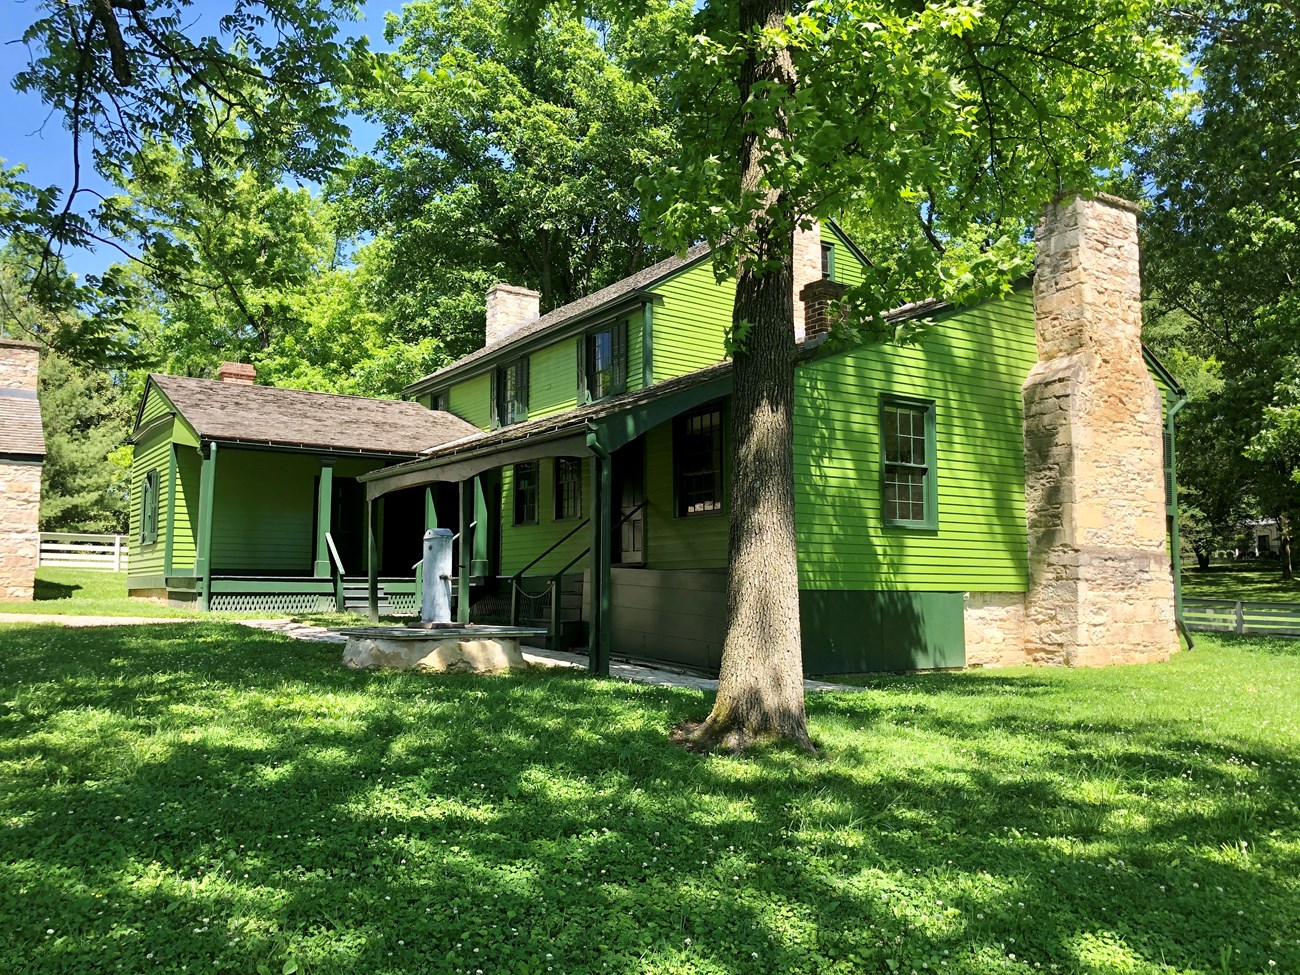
807 269
237 372
1100 588
820 311
509 306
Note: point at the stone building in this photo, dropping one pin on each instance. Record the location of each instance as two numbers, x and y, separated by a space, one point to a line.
22 453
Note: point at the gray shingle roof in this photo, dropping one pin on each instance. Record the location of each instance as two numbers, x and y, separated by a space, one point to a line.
574 310
297 418
20 424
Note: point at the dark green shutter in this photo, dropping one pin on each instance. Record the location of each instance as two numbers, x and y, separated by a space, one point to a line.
493 395
584 394
521 385
618 349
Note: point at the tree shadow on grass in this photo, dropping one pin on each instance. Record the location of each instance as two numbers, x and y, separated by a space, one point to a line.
225 799
44 590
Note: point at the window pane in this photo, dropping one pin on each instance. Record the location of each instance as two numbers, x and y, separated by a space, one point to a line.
698 447
904 433
568 487
526 493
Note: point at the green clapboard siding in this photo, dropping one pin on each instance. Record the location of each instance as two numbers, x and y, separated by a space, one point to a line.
470 401
188 464
846 631
671 542
151 453
266 507
690 323
972 365
520 544
848 269
553 379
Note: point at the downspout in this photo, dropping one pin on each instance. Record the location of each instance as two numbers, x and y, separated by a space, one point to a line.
598 652
1175 539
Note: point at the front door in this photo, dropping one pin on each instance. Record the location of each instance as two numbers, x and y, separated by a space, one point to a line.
629 494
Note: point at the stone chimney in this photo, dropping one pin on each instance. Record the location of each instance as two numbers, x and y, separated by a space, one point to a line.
18 364
1100 588
509 306
820 312
237 372
807 269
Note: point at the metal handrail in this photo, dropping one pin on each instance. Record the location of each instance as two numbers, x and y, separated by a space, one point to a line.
573 531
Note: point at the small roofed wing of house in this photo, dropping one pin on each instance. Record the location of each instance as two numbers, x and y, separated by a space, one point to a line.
245 413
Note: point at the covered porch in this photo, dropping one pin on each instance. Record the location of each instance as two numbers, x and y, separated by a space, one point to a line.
279 530
554 511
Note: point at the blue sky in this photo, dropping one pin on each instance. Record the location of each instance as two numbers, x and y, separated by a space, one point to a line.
31 136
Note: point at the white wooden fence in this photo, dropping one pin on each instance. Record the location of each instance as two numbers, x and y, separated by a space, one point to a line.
72 551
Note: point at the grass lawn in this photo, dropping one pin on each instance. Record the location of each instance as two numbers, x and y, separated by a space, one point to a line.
1250 581
85 592
213 799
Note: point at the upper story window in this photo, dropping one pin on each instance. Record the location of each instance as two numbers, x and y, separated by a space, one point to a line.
526 484
828 261
510 393
149 508
568 488
907 442
697 462
440 401
603 362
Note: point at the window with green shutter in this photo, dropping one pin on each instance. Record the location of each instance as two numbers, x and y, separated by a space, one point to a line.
602 358
510 393
149 508
909 486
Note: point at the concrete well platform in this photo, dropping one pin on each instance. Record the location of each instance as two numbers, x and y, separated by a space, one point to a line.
438 647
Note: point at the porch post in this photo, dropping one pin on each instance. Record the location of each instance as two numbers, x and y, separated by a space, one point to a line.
601 522
324 516
430 511
207 500
372 559
466 548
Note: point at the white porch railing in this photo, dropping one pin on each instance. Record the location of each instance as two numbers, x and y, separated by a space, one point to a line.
73 551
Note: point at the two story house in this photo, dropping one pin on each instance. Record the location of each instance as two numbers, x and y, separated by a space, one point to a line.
994 494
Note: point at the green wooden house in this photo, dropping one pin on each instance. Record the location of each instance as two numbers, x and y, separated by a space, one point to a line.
246 497
596 486
995 494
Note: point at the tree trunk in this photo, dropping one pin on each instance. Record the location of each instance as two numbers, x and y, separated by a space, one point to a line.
1202 557
760 690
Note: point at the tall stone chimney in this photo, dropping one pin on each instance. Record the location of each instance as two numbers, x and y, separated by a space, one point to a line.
1100 591
509 306
807 269
237 372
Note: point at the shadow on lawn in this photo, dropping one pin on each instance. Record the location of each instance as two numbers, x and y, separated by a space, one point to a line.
395 822
44 589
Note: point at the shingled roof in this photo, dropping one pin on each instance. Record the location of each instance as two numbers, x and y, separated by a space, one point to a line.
573 311
20 424
245 413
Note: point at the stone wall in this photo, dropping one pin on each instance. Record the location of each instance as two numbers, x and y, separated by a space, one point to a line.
995 629
20 497
1101 591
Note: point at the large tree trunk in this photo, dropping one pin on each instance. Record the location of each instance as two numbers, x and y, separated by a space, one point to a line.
760 691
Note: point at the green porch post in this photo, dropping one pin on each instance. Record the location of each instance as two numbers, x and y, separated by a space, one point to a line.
467 493
324 516
430 510
601 529
207 501
372 558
